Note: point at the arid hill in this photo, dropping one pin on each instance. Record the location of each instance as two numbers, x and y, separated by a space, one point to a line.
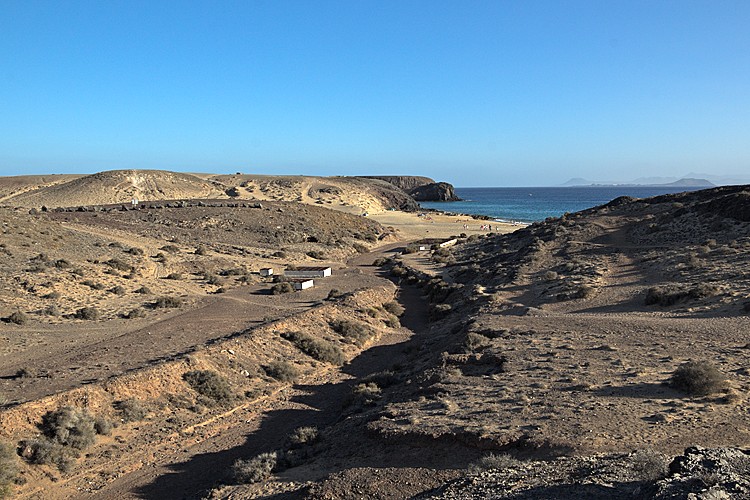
349 194
569 359
118 186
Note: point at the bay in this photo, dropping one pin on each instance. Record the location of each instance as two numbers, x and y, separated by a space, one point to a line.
537 203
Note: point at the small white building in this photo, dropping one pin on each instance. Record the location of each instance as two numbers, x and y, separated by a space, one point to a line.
308 272
302 284
266 271
426 244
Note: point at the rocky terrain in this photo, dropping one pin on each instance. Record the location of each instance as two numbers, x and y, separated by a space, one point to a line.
422 188
603 354
350 194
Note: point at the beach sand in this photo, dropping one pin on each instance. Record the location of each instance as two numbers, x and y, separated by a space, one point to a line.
413 226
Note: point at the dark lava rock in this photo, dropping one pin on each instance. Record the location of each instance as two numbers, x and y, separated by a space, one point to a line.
706 473
438 191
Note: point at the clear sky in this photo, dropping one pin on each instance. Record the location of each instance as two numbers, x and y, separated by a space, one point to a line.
477 93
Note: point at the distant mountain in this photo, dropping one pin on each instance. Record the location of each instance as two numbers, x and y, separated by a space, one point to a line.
646 182
578 181
721 180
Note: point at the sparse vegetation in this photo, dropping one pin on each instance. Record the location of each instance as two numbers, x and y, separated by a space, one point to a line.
649 465
131 410
365 394
69 426
167 302
174 276
210 384
87 313
304 436
281 288
281 370
354 331
698 378
394 308
492 461
320 349
18 318
380 262
8 469
254 470
137 312
143 290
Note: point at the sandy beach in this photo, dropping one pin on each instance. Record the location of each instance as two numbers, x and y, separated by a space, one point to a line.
413 226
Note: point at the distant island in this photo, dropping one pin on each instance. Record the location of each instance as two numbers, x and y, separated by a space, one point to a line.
691 180
687 182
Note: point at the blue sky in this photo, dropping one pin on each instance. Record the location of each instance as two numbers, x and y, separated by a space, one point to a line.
478 93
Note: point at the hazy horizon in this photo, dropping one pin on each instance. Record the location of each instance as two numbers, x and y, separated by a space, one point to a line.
475 94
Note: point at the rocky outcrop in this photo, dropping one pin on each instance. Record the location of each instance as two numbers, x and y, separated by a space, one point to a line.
405 182
421 188
437 191
706 473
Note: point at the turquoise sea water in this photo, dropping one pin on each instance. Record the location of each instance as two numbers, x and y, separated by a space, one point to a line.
533 204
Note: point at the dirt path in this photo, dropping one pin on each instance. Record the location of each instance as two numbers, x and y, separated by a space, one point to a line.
264 426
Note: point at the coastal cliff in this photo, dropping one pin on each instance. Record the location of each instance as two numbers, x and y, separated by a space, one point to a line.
421 188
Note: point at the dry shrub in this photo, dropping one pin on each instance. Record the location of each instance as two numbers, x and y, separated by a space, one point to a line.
8 469
174 276
209 384
698 378
492 461
170 248
69 426
87 313
138 312
365 394
304 435
380 262
394 308
166 302
144 290
43 452
281 288
281 370
255 470
319 349
648 465
353 331
439 311
475 341
131 410
18 318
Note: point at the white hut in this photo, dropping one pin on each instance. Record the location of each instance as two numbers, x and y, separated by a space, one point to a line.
427 244
302 284
308 272
266 271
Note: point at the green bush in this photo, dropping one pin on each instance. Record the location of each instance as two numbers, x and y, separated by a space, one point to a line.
283 371
8 469
210 384
255 470
319 349
353 331
698 378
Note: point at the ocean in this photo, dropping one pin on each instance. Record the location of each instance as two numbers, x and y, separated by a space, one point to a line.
537 203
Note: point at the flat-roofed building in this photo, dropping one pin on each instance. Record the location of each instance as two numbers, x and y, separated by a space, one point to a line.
308 272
